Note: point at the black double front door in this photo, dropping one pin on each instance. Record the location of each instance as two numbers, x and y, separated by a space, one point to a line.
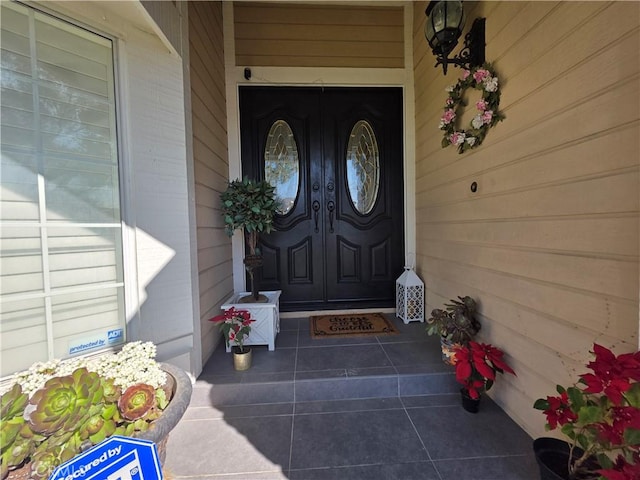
335 157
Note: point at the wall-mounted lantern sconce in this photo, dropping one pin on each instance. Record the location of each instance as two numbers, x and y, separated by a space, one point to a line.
445 21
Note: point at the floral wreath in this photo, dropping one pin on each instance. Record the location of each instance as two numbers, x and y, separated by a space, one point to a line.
481 78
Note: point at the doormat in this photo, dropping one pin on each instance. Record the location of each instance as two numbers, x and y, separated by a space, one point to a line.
351 325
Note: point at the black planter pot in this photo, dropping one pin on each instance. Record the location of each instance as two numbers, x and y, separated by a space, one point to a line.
471 405
552 456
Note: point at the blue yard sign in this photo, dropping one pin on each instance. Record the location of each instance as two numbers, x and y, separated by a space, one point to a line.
117 458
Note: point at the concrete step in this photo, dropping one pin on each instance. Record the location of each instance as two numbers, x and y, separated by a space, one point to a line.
287 387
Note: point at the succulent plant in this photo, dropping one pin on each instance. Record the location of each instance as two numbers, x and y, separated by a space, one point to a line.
45 461
13 402
64 402
137 401
97 428
463 325
11 420
69 414
14 447
111 391
436 324
458 323
16 453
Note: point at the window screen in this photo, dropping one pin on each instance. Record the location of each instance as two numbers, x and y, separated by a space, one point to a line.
62 288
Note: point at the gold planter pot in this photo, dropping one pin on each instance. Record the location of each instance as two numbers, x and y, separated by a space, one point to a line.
241 360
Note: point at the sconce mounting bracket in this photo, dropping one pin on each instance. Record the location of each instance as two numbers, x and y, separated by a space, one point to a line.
473 52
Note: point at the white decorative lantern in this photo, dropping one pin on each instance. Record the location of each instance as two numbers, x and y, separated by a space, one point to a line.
409 297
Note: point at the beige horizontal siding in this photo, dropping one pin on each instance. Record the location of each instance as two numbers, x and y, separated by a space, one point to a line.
295 35
211 164
549 243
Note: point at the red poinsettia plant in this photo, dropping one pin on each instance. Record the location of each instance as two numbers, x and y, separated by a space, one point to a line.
600 415
477 365
235 325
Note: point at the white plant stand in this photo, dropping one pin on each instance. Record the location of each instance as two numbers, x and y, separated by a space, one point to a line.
266 316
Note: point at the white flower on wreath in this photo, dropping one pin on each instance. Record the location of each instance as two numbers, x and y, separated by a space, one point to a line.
491 84
477 121
470 140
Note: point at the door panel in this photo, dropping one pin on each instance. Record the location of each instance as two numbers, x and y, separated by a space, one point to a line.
365 252
326 253
293 256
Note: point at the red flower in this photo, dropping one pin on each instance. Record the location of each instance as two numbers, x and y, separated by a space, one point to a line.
489 359
603 414
608 433
480 360
235 325
559 411
228 315
608 365
476 367
613 388
611 374
463 364
626 417
622 470
474 388
622 418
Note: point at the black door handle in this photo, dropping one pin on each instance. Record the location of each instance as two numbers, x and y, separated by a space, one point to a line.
316 209
331 206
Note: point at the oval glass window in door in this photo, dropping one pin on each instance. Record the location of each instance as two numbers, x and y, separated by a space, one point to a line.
363 167
282 165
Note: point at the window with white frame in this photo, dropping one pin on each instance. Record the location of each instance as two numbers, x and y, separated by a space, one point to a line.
61 276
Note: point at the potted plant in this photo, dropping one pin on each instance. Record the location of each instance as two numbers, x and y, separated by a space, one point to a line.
56 410
236 325
456 326
476 368
600 416
250 206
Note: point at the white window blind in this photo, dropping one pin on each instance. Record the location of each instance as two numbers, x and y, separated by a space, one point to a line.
61 278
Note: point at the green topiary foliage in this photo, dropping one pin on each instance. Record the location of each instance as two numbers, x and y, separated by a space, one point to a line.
251 206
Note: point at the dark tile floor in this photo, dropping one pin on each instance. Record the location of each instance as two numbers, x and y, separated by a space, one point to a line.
364 408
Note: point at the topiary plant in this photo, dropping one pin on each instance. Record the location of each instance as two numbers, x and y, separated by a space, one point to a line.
250 206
